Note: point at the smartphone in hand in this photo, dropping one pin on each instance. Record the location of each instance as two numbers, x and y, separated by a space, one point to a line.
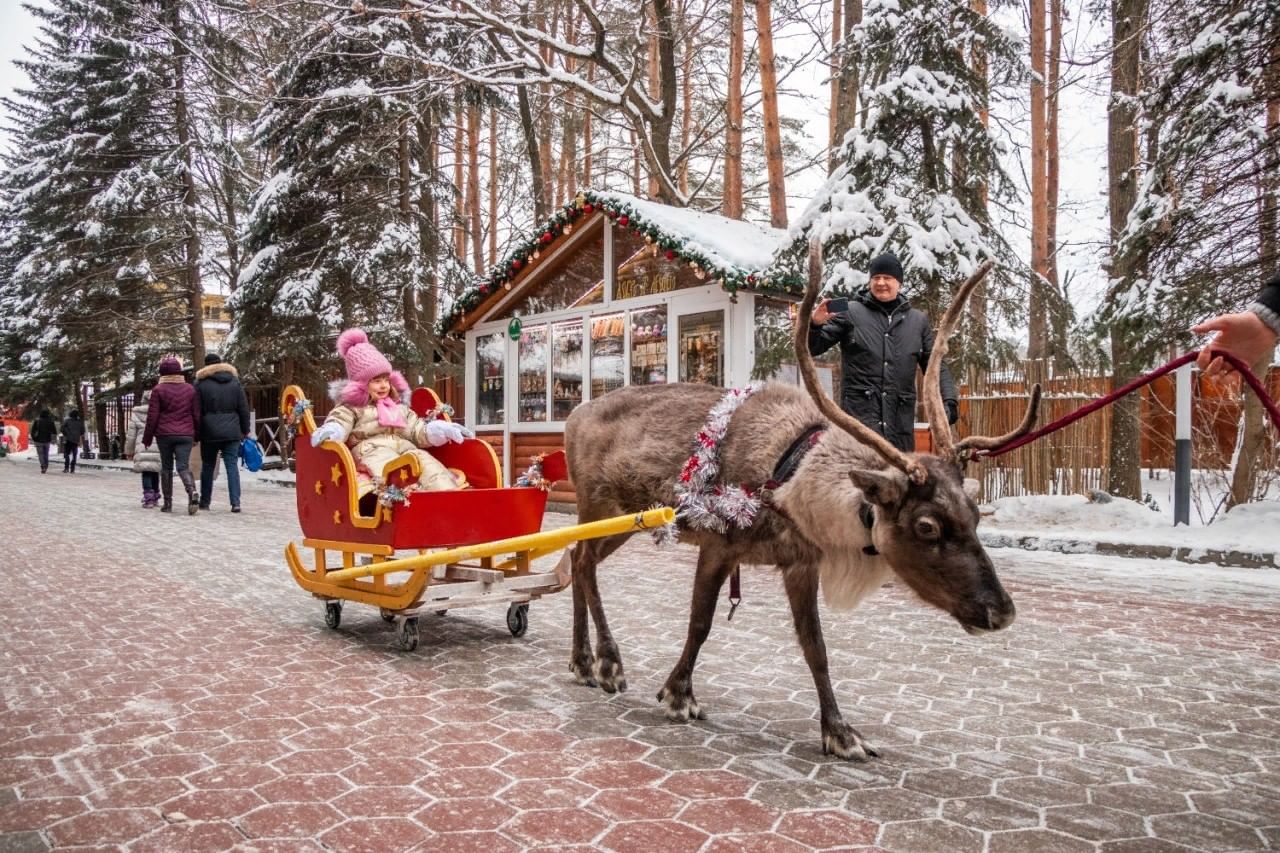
838 305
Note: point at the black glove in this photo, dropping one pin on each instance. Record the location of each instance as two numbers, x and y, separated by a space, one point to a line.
953 411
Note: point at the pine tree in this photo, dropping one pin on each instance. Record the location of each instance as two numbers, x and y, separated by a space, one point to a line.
896 187
93 187
331 240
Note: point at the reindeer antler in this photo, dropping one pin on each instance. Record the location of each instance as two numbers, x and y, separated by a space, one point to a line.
986 442
934 410
895 457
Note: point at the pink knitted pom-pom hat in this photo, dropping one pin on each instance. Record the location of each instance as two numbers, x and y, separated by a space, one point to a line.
364 364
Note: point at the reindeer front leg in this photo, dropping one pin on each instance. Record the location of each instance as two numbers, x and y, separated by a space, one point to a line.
801 583
677 693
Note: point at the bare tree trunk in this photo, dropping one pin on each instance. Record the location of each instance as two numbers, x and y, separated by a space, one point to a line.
1128 20
635 164
493 186
655 82
978 322
846 108
586 135
428 216
686 100
459 185
191 244
731 203
544 123
537 177
1059 320
409 296
569 122
473 188
772 128
1038 325
837 36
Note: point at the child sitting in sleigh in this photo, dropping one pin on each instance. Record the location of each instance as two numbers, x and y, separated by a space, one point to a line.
373 420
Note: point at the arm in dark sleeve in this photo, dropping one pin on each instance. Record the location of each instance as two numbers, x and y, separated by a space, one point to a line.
830 333
945 379
1267 305
195 415
242 408
153 419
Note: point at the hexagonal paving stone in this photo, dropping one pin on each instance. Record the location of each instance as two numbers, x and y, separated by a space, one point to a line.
1094 822
463 782
1206 831
1140 799
557 826
722 817
915 835
946 783
636 804
702 784
290 820
646 836
1257 807
891 804
827 828
1041 791
461 815
375 834
620 774
991 813
1039 840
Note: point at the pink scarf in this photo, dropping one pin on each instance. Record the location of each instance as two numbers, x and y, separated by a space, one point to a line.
389 414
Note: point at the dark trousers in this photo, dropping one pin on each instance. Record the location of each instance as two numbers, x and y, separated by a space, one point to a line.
150 481
42 452
70 452
209 453
174 450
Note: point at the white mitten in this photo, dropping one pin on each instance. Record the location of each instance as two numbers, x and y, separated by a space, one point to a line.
440 432
328 431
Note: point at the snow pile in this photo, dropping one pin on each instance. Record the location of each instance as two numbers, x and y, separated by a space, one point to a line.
729 243
1249 528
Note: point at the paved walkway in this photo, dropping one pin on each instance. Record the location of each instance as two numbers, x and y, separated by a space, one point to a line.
167 687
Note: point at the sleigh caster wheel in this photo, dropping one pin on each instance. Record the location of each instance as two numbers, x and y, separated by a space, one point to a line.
518 619
387 615
407 634
333 614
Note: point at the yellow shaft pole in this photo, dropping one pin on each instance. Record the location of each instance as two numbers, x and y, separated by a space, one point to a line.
551 540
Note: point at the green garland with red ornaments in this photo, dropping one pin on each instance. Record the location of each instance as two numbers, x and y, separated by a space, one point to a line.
587 202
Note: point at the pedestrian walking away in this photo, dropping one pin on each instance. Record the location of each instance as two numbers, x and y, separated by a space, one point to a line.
146 461
44 432
173 422
224 422
882 341
72 434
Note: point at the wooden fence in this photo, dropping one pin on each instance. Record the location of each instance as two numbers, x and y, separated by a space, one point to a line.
1074 459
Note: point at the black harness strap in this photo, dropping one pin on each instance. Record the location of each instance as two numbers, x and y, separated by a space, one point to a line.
782 472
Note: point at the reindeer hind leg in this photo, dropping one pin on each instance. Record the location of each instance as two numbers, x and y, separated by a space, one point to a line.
586 600
677 693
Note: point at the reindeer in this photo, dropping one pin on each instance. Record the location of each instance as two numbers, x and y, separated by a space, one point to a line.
855 512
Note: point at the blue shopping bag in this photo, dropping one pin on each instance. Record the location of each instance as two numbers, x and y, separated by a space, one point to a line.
251 454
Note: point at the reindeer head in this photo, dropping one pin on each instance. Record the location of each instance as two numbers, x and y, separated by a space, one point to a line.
925 519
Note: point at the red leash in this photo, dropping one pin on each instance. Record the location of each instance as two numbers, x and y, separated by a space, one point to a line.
1254 383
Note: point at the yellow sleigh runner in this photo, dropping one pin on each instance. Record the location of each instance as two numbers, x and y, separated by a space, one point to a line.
466 547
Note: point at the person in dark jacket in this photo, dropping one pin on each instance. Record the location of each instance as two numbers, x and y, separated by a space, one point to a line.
72 434
44 432
882 341
224 421
173 421
1249 335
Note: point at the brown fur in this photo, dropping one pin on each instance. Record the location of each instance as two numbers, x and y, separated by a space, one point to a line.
626 450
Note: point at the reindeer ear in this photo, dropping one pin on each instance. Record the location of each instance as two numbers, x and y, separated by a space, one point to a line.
880 487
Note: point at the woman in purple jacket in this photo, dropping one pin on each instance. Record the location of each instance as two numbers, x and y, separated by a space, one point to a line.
174 421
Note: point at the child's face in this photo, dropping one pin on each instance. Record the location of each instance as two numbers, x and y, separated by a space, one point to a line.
379 387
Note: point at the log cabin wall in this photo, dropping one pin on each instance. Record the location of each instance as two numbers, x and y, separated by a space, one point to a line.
525 446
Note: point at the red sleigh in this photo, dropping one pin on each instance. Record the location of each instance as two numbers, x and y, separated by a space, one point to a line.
480 522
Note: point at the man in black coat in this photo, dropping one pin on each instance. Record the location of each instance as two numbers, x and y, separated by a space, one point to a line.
882 341
224 421
72 435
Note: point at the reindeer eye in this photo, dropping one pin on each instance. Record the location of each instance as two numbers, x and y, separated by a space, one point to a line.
927 528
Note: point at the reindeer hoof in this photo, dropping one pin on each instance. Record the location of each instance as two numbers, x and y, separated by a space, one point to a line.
681 707
609 675
844 741
581 670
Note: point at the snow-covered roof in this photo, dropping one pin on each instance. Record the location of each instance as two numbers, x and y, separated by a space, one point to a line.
731 243
730 252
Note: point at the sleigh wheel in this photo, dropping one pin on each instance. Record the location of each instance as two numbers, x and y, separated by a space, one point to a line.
333 614
387 615
518 619
407 634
